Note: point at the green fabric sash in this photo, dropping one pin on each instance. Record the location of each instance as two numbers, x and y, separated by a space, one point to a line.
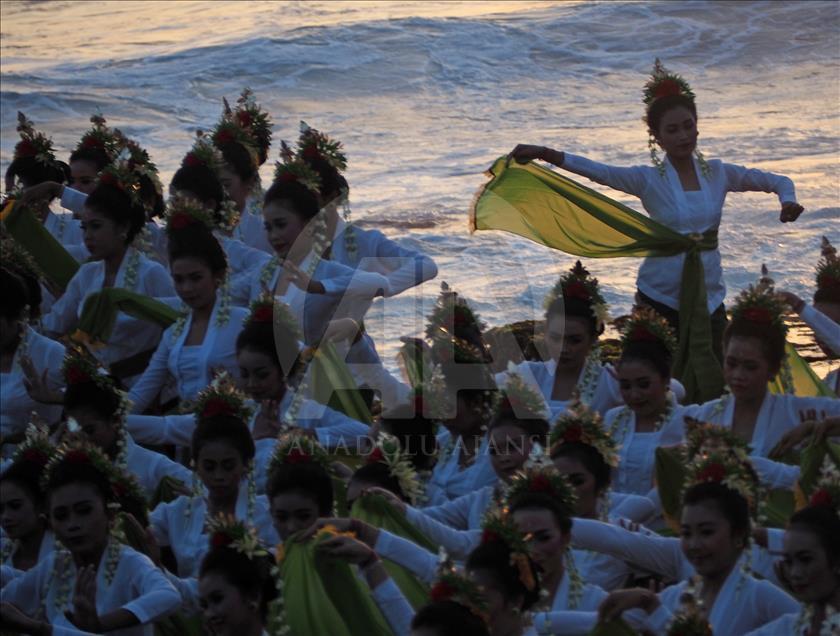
333 385
324 596
803 380
101 308
550 209
56 264
376 511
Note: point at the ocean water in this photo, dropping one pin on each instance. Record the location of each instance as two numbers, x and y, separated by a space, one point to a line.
425 95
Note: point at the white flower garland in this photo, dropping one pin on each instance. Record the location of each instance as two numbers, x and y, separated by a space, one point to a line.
222 315
591 375
829 627
131 268
623 418
64 572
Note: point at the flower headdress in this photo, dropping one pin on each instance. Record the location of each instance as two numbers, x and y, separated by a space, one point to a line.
541 479
226 531
734 473
759 304
520 398
33 143
645 325
450 585
828 267
582 424
266 308
15 257
36 448
499 527
119 174
291 168
182 212
703 438
432 398
229 130
578 283
388 451
81 367
221 397
248 114
139 162
827 491
204 153
80 451
296 448
452 316
663 83
100 137
313 144
688 620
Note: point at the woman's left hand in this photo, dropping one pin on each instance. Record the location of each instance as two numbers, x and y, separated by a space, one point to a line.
347 548
84 614
790 212
37 385
301 279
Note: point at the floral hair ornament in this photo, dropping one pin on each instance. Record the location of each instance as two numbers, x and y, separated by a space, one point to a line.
36 447
541 479
81 367
645 325
296 448
221 397
33 143
827 490
139 162
828 267
101 137
80 451
432 398
226 531
759 304
451 585
498 527
16 258
313 144
250 116
291 168
736 474
229 131
582 424
183 212
120 175
578 283
520 398
452 316
703 438
388 451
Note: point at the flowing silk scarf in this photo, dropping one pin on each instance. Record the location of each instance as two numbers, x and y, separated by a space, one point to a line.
550 209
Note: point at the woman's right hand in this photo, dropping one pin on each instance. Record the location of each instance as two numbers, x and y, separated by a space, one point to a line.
523 153
45 191
621 600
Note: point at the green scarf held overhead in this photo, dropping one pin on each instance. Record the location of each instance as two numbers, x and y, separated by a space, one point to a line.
550 209
56 264
323 595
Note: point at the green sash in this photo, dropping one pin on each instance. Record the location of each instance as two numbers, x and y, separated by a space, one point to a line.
550 209
101 308
56 264
333 384
803 380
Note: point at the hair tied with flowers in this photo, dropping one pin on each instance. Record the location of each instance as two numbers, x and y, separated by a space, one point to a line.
645 325
294 169
184 212
453 316
80 451
36 447
451 585
543 479
730 471
663 83
828 268
578 284
498 527
230 130
827 488
583 425
80 367
759 304
226 531
388 451
101 137
703 438
33 143
313 144
297 448
520 398
222 398
121 175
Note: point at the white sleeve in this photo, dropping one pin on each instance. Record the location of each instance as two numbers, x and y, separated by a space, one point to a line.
454 513
394 606
157 597
636 508
64 314
156 430
419 561
660 555
73 200
631 180
458 543
825 329
360 284
159 523
24 590
331 427
188 589
404 268
568 623
153 378
741 179
775 474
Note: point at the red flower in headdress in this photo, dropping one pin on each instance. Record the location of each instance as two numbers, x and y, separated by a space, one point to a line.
216 406
490 536
119 489
191 160
826 280
76 376
666 88
35 456
263 313
224 137
89 141
220 540
109 179
25 148
441 591
376 455
758 314
297 456
180 221
539 483
573 434
77 456
821 498
642 333
286 177
576 289
712 472
310 152
244 118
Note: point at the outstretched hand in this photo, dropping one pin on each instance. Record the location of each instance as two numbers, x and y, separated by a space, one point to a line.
523 153
790 212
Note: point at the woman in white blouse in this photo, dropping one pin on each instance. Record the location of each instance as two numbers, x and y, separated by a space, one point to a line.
112 218
203 341
684 192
